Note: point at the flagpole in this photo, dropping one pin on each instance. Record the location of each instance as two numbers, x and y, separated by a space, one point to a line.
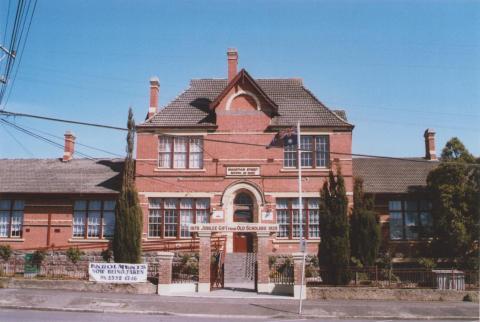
300 202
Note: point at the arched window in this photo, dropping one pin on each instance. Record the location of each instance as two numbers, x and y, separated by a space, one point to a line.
243 199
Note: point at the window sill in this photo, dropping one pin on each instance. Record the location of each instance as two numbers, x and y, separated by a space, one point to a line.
305 170
82 240
6 239
410 241
178 170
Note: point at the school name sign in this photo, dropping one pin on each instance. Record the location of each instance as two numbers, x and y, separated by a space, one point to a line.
234 227
117 272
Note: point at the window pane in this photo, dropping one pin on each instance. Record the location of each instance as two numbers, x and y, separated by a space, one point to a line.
18 205
5 205
282 203
108 224
427 224
322 151
170 223
4 223
79 223
94 205
411 225
186 218
395 205
93 223
109 205
180 152
154 203
164 152
307 151
80 205
164 144
202 206
313 203
154 223
411 205
170 203
396 225
203 203
313 223
290 156
186 203
196 153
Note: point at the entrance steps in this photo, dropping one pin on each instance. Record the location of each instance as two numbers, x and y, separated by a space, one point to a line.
239 268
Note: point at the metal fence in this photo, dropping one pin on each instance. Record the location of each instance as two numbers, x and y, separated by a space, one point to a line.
50 271
182 273
282 274
401 278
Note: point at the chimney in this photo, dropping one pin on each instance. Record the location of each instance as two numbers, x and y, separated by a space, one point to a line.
429 136
69 146
154 89
232 57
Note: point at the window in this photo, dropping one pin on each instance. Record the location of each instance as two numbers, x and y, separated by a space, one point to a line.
315 152
170 217
93 219
288 218
11 218
410 219
180 152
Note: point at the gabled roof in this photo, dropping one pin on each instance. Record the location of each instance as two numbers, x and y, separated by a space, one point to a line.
381 175
295 103
55 176
242 76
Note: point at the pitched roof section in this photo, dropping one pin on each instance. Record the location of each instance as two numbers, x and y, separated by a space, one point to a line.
392 175
294 101
55 176
240 77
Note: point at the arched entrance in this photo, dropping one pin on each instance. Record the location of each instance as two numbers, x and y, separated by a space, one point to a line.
243 208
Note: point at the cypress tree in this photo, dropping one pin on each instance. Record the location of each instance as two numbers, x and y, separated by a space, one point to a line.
127 241
334 249
364 227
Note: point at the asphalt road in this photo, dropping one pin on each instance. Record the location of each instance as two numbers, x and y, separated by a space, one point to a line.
55 316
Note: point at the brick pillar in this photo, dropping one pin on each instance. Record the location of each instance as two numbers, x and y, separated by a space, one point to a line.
165 260
297 273
263 271
205 255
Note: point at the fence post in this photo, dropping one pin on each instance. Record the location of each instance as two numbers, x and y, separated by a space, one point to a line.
297 273
204 262
263 270
376 275
165 260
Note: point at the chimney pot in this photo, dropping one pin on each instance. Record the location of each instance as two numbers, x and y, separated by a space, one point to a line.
232 59
154 91
69 147
429 136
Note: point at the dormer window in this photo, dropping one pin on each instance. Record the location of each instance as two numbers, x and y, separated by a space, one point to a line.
180 152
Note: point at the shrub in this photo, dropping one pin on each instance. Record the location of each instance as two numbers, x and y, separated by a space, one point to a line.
5 252
468 298
38 257
74 254
107 255
427 263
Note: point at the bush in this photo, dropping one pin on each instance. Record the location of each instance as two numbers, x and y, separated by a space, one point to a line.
427 263
38 257
107 255
74 254
5 252
467 298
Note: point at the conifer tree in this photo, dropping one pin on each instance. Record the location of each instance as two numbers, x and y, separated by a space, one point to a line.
334 249
127 242
364 227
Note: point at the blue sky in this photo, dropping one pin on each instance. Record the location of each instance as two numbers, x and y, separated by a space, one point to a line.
396 67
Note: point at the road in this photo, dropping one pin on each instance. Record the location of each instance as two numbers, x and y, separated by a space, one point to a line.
55 316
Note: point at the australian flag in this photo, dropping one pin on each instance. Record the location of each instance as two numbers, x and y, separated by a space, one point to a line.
286 137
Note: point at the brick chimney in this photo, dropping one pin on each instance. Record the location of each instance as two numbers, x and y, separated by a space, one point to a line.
429 136
154 89
69 146
232 57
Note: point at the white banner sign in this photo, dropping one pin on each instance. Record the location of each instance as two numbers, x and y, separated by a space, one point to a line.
234 227
243 171
117 272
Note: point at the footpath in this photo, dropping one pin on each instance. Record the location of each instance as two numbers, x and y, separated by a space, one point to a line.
256 307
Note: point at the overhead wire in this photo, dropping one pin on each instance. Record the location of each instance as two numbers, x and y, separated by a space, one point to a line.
18 141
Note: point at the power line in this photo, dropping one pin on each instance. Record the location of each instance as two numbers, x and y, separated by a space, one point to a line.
21 54
42 138
18 141
7 113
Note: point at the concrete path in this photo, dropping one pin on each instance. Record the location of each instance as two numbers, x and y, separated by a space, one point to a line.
55 300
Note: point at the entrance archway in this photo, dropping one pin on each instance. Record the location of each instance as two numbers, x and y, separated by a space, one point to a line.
243 208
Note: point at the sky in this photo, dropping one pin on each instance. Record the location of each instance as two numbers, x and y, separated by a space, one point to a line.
396 67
